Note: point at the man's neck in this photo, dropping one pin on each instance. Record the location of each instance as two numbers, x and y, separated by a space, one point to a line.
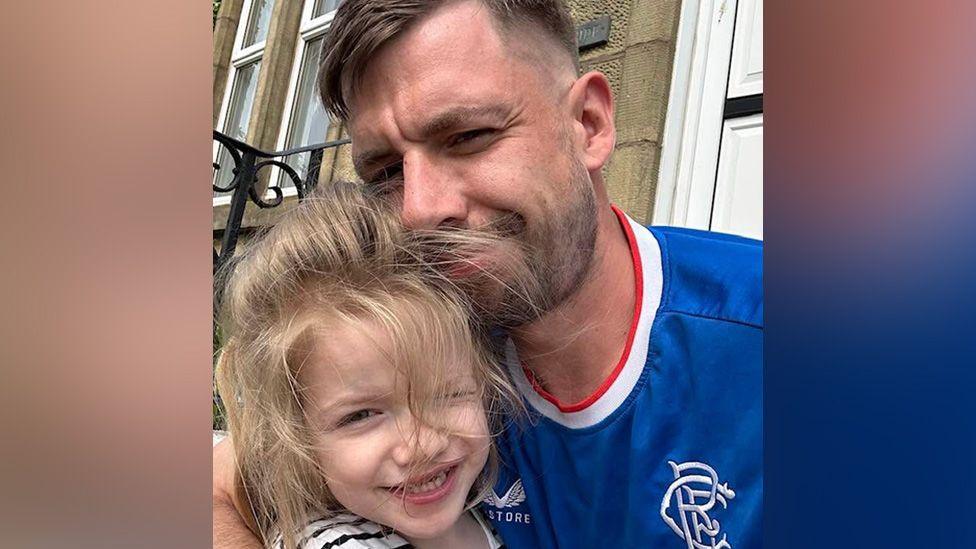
573 348
466 533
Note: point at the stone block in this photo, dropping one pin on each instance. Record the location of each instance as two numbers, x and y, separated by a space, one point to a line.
276 65
652 20
329 155
619 12
631 178
643 97
344 169
225 28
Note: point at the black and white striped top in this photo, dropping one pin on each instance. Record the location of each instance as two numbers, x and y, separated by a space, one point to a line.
347 531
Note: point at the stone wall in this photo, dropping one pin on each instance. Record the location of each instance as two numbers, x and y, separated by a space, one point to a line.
637 59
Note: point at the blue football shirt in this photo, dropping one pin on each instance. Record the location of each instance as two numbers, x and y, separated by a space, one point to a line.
668 451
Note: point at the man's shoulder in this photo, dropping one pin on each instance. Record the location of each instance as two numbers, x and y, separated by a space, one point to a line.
711 275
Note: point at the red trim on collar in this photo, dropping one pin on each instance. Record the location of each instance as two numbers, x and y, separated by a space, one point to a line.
638 300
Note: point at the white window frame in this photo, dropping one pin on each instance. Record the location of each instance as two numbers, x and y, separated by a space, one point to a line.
239 49
693 127
239 57
309 30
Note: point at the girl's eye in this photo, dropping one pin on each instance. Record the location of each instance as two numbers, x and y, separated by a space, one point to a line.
357 416
461 394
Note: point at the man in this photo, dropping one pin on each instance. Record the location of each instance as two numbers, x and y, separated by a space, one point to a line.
638 352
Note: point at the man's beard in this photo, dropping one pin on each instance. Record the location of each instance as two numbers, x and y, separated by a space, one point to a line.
556 255
530 270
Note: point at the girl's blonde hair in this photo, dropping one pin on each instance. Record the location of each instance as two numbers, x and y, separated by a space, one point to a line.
339 257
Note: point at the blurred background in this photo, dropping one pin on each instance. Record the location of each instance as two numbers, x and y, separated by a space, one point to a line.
106 342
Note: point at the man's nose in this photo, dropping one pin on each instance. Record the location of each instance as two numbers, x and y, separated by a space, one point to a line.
432 195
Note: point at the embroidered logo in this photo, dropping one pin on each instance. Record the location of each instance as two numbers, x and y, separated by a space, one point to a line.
512 498
690 499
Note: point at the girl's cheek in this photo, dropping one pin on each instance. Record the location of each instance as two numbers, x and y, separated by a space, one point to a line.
333 451
347 462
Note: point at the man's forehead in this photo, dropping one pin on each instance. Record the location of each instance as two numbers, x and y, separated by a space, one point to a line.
454 62
444 43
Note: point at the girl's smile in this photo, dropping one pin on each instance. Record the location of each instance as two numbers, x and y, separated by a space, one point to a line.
429 488
382 462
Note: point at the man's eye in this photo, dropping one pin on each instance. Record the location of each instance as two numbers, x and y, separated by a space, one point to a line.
357 417
470 138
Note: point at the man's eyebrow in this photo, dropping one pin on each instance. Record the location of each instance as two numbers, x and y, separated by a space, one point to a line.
461 115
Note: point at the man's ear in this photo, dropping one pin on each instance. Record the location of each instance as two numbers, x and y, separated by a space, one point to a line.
592 103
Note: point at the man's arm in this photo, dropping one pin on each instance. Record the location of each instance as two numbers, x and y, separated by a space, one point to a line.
233 525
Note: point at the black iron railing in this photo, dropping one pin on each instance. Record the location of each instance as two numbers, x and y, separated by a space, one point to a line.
248 162
245 185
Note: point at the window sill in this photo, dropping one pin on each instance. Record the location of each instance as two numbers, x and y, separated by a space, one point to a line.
254 217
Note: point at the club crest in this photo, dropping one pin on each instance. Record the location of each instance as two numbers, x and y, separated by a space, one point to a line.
689 502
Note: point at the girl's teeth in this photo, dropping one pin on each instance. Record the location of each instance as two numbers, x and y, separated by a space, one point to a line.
430 485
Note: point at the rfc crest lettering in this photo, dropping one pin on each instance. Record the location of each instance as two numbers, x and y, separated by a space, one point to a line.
689 502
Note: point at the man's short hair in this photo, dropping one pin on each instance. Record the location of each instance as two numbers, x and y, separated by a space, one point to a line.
362 27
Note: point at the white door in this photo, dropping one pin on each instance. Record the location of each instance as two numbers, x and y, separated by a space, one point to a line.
712 157
737 206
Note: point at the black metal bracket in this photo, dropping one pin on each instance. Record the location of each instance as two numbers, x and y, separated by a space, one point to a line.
248 162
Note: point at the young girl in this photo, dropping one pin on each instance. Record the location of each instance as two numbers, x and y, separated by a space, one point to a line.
359 395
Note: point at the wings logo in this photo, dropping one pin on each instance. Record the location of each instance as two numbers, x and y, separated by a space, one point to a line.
693 495
514 496
497 505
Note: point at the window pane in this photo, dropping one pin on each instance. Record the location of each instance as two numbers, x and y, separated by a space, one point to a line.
238 115
257 22
309 121
323 7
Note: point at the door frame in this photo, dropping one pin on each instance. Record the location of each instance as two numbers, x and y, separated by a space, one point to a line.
696 104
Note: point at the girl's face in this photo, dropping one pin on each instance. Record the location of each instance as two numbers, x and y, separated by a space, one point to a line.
380 462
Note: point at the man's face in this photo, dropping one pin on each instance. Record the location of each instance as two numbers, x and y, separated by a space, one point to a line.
469 132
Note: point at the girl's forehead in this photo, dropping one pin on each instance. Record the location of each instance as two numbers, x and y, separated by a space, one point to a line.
369 355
